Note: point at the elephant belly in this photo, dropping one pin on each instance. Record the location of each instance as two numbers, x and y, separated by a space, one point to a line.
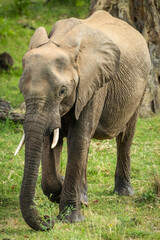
121 102
110 126
114 117
103 132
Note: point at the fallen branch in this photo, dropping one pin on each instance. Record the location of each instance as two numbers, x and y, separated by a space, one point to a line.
6 112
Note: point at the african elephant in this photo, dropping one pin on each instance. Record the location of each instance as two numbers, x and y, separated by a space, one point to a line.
85 80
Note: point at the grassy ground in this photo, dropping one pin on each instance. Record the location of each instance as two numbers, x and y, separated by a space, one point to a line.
108 216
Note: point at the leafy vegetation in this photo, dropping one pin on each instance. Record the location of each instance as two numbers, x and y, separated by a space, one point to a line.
108 215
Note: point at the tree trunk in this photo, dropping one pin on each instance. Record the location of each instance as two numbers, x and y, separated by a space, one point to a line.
144 15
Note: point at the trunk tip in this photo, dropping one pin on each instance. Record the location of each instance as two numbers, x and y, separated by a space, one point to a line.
47 223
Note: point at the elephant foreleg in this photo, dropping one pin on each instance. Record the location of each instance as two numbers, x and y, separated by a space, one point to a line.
122 174
51 178
70 203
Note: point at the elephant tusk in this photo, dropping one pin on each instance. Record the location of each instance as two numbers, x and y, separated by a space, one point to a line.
20 145
55 137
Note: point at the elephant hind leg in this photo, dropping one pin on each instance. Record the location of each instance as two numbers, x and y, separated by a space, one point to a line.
84 187
124 142
52 181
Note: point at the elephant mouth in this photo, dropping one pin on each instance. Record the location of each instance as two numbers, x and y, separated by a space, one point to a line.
53 145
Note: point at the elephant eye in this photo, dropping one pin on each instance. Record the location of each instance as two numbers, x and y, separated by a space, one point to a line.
63 91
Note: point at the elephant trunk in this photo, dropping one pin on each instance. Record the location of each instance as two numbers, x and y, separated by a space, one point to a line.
33 151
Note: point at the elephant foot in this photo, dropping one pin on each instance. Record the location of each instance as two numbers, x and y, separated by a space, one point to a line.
123 187
52 189
84 199
54 199
70 216
127 191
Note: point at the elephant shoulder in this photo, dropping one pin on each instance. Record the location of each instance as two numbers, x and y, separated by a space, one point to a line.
99 16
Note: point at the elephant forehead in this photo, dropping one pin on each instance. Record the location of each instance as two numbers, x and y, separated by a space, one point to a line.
49 73
47 76
40 64
39 76
45 56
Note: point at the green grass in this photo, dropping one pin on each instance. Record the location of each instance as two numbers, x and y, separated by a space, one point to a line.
108 215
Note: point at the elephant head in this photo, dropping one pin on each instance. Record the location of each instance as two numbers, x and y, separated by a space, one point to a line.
60 72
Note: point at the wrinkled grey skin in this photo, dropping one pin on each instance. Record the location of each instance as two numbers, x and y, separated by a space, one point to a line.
87 78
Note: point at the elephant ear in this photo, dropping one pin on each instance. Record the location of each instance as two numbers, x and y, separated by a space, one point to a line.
61 27
39 38
98 62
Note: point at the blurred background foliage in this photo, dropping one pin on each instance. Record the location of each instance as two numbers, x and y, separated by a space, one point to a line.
24 7
38 11
18 21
